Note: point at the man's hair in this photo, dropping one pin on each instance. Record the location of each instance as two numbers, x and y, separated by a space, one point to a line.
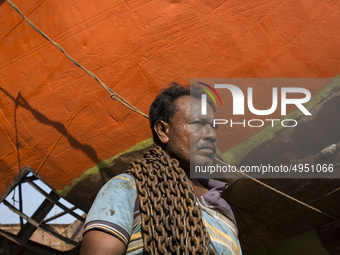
163 107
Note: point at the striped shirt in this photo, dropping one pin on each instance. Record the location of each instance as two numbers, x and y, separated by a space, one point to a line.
116 211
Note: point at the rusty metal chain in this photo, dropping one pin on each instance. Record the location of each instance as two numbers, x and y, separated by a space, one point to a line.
171 216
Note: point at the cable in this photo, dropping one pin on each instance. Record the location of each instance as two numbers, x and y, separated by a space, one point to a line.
113 94
282 193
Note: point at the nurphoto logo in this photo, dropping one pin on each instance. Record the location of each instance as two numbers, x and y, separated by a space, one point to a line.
238 107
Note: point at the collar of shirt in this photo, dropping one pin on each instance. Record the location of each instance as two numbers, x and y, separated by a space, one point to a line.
213 198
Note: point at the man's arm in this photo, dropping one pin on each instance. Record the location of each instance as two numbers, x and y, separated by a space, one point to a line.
101 243
109 223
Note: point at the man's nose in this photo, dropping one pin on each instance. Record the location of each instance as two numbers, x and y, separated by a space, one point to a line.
209 133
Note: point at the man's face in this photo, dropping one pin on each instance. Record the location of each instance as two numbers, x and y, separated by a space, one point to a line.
191 135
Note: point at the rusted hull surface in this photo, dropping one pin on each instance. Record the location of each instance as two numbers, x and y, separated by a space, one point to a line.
265 216
60 122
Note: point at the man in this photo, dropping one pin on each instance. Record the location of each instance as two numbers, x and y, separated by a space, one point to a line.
154 208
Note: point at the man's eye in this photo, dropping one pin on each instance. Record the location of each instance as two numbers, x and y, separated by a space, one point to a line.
197 122
212 126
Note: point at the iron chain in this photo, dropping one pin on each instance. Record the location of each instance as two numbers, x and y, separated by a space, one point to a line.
171 216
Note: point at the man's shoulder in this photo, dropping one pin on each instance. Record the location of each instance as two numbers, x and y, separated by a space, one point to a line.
121 188
115 200
123 178
123 181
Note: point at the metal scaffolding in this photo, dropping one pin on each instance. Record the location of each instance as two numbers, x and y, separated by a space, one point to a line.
39 218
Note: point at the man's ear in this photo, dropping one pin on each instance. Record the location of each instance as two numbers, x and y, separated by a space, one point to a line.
162 130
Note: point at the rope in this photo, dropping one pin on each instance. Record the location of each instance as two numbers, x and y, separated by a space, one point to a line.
113 94
282 193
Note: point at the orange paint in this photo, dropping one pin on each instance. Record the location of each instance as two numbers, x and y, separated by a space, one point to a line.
66 122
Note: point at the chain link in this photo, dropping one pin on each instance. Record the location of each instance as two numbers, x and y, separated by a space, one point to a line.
171 216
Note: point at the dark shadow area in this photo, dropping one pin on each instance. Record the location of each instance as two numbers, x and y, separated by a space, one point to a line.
17 144
60 127
329 236
266 217
2 1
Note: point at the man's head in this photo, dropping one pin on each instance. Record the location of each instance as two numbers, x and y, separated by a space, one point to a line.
175 118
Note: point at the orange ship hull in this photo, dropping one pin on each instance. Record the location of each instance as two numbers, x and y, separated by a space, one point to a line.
59 121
